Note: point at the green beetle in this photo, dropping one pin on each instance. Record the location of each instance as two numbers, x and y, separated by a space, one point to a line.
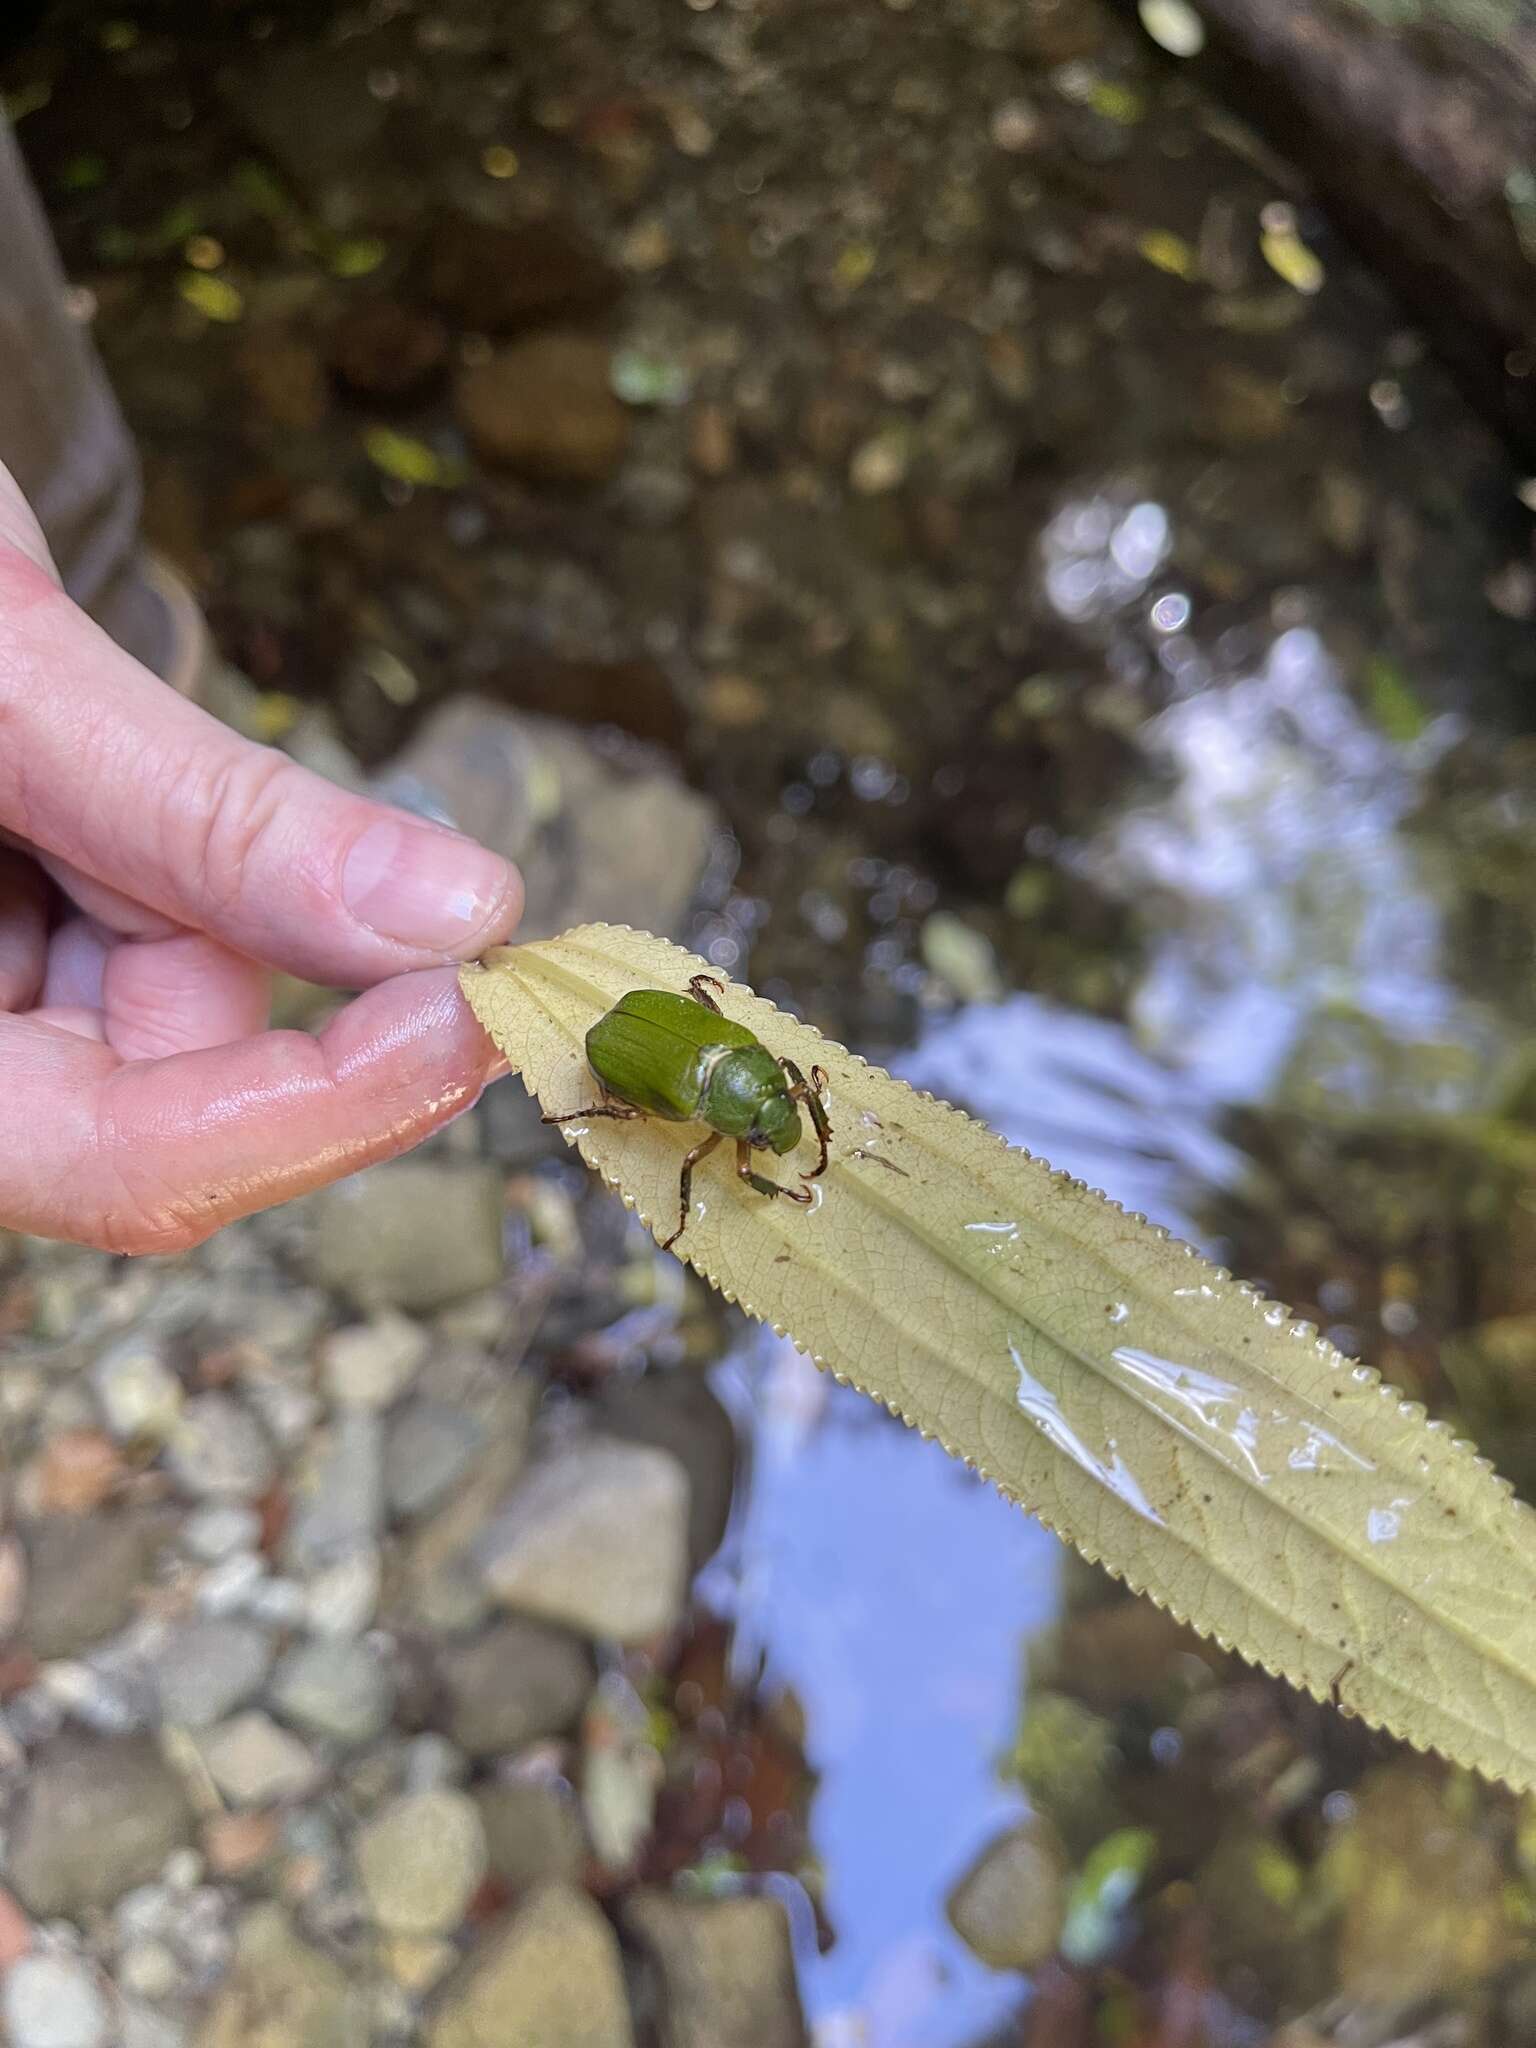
676 1057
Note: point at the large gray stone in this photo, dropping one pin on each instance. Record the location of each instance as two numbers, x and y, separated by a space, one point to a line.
725 1969
518 1681
413 1234
677 1411
595 842
547 1976
596 1537
94 1819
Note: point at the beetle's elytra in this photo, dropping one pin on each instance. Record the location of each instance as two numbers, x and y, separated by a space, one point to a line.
675 1057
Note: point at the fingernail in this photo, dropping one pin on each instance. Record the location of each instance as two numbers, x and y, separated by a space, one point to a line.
422 887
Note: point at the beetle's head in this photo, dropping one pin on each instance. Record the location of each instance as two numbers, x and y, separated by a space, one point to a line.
777 1125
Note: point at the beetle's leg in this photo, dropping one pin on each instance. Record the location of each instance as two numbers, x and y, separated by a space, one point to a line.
685 1185
810 1093
699 984
761 1182
620 1111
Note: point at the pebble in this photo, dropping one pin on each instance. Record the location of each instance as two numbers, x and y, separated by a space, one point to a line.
1010 1905
51 2001
84 1573
145 2026
418 1961
217 1531
414 1234
78 1470
338 1493
139 1396
219 1450
333 1686
726 1967
13 1586
254 1762
149 1969
545 409
532 1830
236 1842
518 1681
549 1973
421 1860
596 1537
283 1993
94 1818
370 1365
207 1667
342 1599
430 1445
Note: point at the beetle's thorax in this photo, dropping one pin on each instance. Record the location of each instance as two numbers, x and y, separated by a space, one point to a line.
737 1080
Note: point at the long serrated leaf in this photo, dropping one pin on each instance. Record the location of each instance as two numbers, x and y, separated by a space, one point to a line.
1176 1427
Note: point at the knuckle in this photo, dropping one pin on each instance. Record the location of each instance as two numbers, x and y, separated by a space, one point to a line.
238 805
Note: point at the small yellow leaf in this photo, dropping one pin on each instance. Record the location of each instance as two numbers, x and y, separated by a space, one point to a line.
1178 1428
1169 252
408 460
214 297
1289 257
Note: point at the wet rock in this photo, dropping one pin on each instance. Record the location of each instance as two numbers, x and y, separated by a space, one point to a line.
283 1993
532 1831
518 1681
338 1493
496 280
139 1396
51 2001
677 1412
255 1763
548 1973
726 1971
335 1687
383 349
544 408
219 1450
83 1574
636 695
93 1820
414 1234
430 1444
370 1365
208 1667
311 111
421 1860
285 377
595 1537
1010 1906
1425 1900
596 842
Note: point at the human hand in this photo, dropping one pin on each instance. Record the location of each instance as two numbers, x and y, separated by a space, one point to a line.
153 867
